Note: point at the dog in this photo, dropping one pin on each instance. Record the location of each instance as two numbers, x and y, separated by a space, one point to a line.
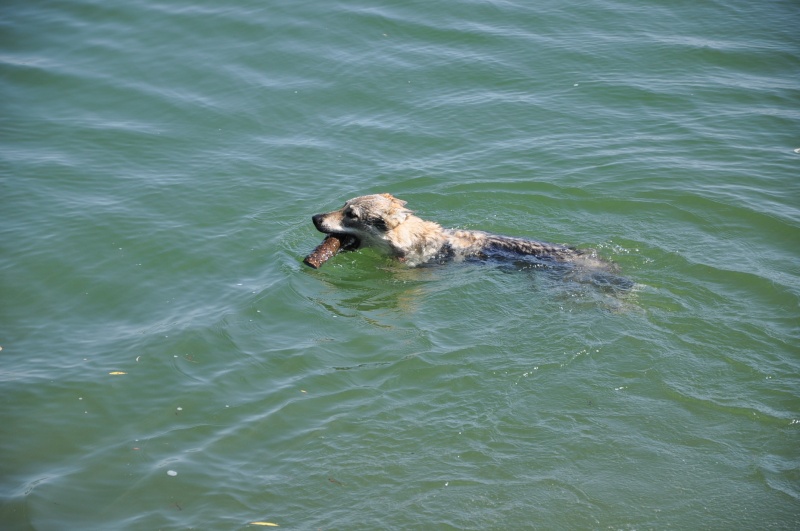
383 222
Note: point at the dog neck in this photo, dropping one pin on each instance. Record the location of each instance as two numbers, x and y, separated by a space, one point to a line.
415 240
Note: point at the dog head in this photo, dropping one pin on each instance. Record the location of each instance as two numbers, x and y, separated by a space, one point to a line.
369 218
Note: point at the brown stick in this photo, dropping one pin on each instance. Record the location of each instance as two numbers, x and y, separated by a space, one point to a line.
327 249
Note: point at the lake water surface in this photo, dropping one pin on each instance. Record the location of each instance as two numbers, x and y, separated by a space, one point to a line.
168 362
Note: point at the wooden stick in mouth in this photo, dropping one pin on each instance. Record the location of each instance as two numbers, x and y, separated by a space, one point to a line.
331 245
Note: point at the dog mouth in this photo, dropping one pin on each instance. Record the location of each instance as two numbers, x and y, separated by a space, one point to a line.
349 241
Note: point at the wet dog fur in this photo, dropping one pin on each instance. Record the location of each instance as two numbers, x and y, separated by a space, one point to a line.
383 222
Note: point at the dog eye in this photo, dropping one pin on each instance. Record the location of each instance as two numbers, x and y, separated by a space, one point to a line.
351 214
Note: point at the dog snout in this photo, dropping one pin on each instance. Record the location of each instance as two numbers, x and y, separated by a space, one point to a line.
318 219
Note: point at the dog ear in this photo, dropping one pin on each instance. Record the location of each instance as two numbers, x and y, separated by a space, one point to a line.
397 214
390 197
396 217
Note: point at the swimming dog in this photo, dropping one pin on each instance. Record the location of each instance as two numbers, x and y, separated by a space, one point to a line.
383 222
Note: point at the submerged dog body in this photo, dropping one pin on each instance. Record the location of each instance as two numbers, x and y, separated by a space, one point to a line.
382 222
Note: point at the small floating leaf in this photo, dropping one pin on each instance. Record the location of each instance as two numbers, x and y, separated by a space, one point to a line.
115 373
268 524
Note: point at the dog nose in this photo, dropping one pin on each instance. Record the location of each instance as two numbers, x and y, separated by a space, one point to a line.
317 219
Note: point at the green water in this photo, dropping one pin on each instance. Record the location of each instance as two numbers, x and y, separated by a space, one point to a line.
159 166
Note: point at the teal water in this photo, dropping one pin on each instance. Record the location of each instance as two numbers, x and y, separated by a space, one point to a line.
159 166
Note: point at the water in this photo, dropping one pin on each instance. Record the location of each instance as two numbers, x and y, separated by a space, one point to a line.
160 164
